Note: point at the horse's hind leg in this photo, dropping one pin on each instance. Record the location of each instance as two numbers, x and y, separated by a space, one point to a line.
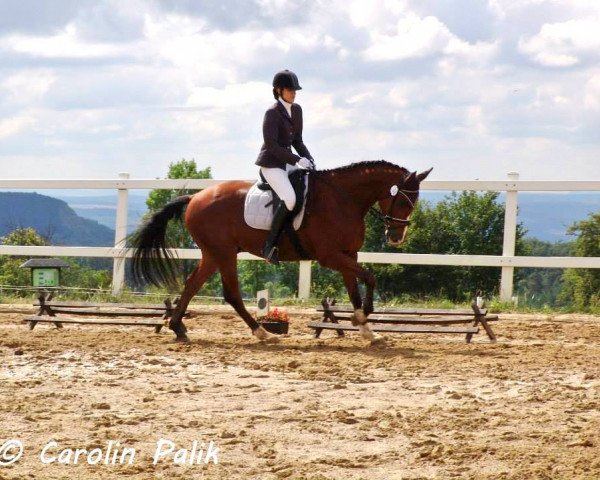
231 292
206 267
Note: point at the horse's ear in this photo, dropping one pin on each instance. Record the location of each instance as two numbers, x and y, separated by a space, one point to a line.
410 176
423 175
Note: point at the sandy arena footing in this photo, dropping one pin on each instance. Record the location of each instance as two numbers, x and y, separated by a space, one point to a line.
416 407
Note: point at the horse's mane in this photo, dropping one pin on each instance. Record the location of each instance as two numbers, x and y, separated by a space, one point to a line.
376 164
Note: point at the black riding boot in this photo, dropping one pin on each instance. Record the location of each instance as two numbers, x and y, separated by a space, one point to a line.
280 218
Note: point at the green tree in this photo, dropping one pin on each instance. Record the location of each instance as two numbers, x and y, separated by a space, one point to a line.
281 280
77 275
184 169
11 272
542 286
465 223
177 235
581 287
24 237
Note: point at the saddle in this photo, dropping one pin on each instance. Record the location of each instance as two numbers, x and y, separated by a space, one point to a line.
261 202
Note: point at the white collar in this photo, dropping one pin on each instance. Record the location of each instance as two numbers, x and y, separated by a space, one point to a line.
288 106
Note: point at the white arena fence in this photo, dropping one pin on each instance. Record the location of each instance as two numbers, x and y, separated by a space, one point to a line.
507 261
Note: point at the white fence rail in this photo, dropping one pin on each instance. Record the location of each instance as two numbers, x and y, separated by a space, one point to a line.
507 261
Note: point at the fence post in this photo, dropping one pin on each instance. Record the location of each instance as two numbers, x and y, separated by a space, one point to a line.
118 280
510 237
304 280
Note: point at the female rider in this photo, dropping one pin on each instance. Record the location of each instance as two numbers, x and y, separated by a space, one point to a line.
282 130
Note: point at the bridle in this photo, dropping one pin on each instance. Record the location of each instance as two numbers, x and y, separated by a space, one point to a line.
393 222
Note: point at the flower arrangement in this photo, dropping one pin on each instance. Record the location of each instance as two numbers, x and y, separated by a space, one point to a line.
277 321
277 315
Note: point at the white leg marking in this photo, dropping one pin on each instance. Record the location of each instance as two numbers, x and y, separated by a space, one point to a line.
366 332
261 333
360 316
265 336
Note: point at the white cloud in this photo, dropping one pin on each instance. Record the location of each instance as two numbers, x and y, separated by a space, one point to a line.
562 44
591 98
213 57
360 98
232 96
413 37
15 125
550 96
65 44
399 95
325 115
133 86
28 86
475 120
374 13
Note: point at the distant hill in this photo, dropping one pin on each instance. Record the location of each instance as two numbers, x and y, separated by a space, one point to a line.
51 217
103 208
89 220
545 216
548 216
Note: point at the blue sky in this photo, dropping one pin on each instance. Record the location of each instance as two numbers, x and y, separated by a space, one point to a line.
473 88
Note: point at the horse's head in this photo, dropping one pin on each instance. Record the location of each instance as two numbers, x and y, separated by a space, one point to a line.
398 204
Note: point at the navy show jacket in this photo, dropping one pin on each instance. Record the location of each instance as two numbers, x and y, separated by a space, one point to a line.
280 133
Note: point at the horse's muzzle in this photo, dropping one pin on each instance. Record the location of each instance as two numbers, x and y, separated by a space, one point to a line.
395 243
394 240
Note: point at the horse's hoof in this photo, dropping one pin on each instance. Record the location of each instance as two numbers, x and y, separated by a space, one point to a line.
182 339
260 333
265 336
379 341
366 332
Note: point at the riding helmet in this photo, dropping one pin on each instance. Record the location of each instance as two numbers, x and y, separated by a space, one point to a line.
286 79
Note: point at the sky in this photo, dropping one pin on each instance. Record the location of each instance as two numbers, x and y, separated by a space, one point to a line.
473 88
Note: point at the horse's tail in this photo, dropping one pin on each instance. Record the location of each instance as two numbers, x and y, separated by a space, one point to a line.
152 262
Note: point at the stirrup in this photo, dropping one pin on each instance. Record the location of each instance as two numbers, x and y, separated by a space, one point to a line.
272 256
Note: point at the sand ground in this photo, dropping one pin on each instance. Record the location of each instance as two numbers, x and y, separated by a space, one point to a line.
418 407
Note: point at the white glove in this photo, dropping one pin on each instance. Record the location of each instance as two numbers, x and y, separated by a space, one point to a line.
306 163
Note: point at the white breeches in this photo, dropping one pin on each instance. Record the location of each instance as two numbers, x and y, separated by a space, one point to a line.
279 181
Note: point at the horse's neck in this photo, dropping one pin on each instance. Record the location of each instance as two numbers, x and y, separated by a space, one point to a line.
363 190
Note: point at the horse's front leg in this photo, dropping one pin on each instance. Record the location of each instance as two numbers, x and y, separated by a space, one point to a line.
350 280
351 270
352 287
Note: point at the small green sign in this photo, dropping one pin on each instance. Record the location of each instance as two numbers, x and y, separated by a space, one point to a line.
45 277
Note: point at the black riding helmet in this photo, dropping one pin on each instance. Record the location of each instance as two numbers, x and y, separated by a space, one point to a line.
285 79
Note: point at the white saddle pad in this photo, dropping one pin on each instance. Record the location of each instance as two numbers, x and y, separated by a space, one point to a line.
258 215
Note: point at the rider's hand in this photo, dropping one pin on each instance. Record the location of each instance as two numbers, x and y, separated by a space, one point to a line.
306 163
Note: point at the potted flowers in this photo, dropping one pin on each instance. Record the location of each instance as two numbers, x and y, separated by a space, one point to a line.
276 321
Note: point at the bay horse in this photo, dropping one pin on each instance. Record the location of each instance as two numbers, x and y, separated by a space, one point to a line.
332 233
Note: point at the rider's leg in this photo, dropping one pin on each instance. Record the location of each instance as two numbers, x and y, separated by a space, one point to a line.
280 183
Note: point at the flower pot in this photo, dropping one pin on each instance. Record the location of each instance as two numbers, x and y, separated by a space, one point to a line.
276 327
